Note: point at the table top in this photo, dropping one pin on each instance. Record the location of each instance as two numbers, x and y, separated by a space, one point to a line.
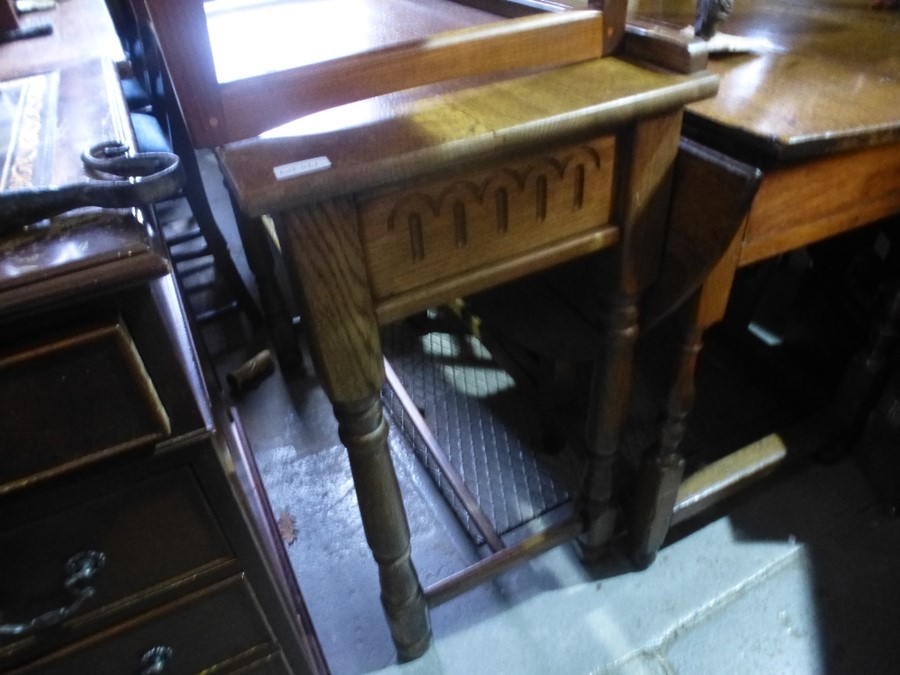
82 29
828 81
410 134
85 251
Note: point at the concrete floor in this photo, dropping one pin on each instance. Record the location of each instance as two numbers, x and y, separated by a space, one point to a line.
800 575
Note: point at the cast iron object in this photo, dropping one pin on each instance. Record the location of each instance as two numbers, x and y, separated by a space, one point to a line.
125 181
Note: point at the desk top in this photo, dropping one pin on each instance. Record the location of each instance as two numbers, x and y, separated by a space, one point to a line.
85 251
82 29
414 133
830 80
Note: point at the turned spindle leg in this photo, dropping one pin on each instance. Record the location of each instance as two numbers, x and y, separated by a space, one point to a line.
364 432
662 468
609 399
325 263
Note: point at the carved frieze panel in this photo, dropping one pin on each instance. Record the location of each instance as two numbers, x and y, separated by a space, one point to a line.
431 231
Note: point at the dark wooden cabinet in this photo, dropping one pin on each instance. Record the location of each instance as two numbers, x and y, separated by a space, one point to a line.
124 536
219 626
126 541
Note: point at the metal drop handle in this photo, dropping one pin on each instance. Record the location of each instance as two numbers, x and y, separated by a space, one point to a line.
80 570
155 660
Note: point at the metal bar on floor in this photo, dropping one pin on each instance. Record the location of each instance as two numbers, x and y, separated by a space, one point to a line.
456 481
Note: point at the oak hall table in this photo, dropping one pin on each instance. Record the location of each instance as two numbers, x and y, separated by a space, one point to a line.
447 197
817 110
390 205
82 29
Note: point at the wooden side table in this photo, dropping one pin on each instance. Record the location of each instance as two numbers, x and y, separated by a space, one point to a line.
421 199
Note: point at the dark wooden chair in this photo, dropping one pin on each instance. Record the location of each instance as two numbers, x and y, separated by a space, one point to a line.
158 126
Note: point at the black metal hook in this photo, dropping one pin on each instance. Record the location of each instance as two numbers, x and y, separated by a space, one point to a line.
125 180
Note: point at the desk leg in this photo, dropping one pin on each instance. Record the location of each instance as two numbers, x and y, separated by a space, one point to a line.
321 245
608 406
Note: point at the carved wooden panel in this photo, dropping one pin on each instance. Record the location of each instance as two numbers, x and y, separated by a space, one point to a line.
445 228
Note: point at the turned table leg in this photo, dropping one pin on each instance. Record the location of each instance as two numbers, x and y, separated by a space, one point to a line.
624 274
662 468
364 432
608 407
325 263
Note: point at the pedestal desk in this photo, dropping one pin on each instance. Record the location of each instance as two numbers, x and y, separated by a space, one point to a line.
125 544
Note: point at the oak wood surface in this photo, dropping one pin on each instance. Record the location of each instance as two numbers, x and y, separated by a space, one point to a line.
390 49
816 111
82 29
828 82
294 33
802 203
416 134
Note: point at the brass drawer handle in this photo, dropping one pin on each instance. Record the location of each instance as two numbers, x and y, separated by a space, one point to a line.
80 570
154 660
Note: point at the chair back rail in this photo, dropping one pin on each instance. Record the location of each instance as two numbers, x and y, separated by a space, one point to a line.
222 112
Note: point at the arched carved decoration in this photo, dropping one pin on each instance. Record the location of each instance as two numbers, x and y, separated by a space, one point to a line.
422 233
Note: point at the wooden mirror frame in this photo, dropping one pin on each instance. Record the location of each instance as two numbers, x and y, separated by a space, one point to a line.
219 113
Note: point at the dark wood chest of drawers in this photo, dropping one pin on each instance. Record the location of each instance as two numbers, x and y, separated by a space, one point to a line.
126 542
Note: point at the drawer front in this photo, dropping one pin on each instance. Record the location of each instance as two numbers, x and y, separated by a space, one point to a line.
427 233
800 204
81 396
154 536
217 627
